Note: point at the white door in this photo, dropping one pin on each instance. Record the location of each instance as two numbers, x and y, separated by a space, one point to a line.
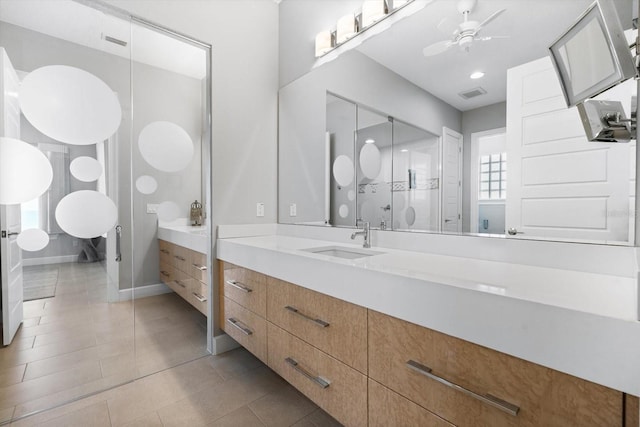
451 181
560 185
10 253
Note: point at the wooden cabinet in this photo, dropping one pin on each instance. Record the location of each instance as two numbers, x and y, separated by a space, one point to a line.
336 327
470 385
337 388
185 272
368 368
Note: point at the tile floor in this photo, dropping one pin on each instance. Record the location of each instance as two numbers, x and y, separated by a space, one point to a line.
150 357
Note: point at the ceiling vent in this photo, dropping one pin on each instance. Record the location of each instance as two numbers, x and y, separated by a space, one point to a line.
472 93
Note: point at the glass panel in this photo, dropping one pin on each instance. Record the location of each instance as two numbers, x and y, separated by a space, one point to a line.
484 167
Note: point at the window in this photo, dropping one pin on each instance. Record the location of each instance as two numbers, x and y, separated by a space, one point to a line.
30 214
493 177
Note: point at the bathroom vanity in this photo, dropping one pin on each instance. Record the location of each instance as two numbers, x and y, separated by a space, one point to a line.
183 263
389 339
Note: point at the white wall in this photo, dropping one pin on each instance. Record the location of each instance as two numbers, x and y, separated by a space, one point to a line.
244 37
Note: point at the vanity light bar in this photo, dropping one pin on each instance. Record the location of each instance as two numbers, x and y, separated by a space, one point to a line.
349 26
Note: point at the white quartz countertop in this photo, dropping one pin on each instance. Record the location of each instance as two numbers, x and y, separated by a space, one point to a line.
193 237
576 322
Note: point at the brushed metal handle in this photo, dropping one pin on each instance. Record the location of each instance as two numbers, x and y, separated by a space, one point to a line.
179 283
164 273
320 381
199 297
236 324
513 231
179 257
6 234
200 267
489 399
238 285
118 238
164 251
318 322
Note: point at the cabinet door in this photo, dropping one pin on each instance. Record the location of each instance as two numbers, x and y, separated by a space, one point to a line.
336 327
470 385
246 287
244 326
338 389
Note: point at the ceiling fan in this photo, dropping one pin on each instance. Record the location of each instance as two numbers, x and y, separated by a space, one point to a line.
463 34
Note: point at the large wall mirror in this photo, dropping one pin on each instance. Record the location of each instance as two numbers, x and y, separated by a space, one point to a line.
395 132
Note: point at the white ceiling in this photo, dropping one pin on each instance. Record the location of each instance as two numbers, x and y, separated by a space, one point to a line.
531 24
83 25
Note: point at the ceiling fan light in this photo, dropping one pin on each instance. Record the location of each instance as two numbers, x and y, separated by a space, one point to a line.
476 75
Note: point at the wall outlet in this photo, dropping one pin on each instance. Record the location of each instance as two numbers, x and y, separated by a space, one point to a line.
260 209
293 209
152 208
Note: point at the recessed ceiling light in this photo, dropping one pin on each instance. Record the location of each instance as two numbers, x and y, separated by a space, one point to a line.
477 75
404 150
369 141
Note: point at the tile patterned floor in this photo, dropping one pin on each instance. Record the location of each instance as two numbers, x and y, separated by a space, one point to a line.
77 344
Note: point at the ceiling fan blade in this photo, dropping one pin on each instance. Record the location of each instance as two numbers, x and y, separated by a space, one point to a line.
437 47
489 19
447 26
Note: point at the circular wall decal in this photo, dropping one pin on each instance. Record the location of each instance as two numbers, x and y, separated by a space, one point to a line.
410 216
343 170
86 214
86 169
351 195
370 161
343 211
146 184
168 211
25 173
70 105
33 239
165 146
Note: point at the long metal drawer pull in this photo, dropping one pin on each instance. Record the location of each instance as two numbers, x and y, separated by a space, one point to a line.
318 322
164 251
236 324
199 297
503 405
179 283
164 273
321 382
200 267
179 257
239 285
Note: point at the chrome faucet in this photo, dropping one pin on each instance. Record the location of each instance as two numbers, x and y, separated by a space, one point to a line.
364 232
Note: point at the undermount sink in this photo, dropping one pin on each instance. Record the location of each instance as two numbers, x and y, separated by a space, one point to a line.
342 252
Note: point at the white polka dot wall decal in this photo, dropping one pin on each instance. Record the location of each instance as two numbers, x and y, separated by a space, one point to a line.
146 184
70 105
343 211
165 146
86 169
410 216
351 195
32 240
370 161
25 174
168 211
343 170
86 214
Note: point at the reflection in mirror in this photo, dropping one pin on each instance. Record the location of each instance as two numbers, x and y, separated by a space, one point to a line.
560 186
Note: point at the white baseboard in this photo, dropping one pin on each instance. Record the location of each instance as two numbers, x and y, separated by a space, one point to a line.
144 291
222 344
49 260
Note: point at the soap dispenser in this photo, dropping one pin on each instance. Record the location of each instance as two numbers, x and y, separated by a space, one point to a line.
196 213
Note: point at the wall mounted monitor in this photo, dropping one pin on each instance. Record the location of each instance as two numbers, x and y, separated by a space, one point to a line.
593 54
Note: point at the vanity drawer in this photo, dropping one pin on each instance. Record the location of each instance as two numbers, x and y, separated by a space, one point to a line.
180 283
388 408
544 397
335 387
246 287
249 329
336 327
198 296
166 252
181 258
198 266
166 272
